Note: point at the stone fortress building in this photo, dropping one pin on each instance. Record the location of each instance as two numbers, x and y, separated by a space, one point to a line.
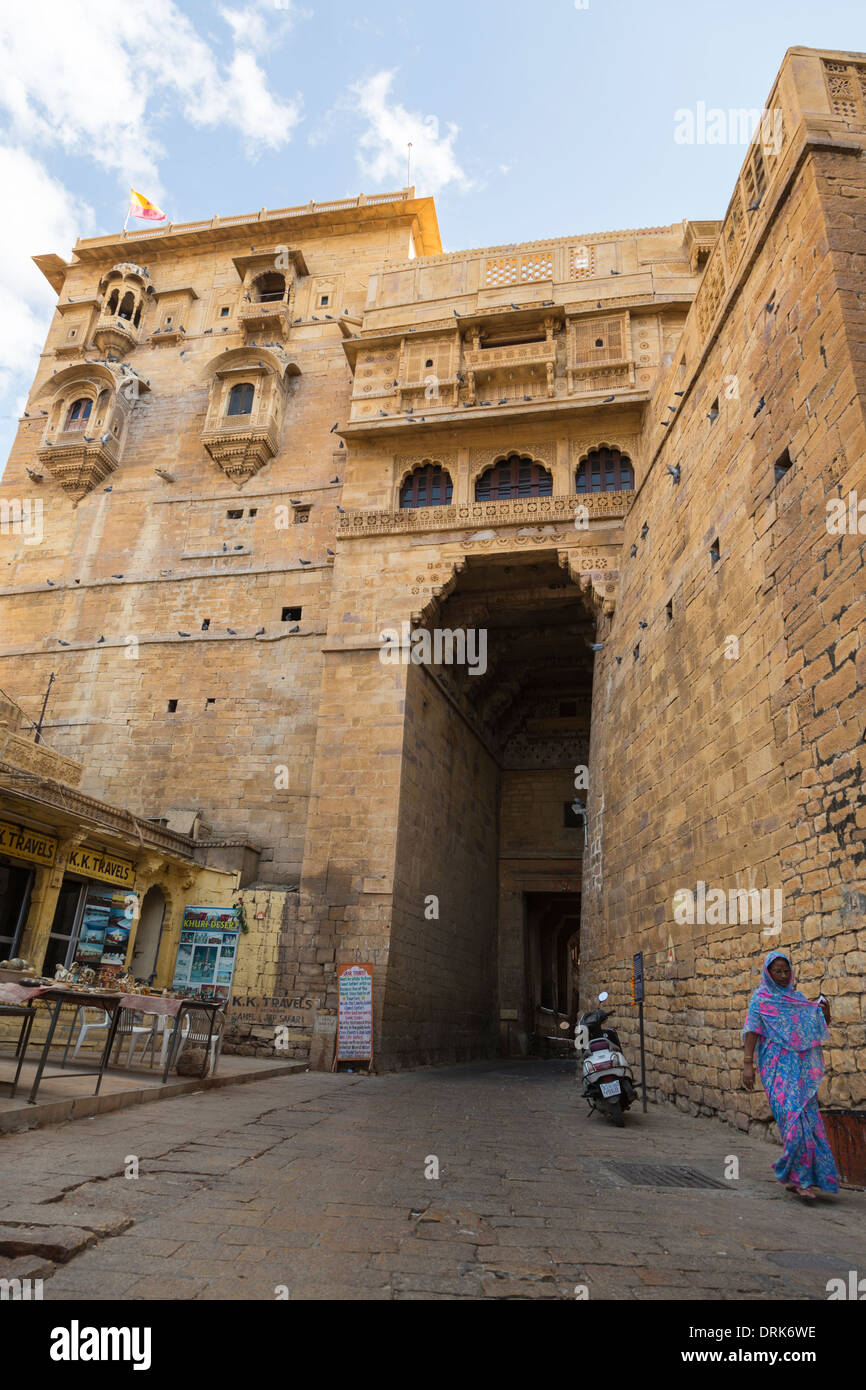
260 442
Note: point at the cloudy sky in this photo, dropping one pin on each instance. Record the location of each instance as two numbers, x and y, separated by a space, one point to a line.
526 120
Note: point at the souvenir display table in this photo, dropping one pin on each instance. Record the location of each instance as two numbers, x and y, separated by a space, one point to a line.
21 997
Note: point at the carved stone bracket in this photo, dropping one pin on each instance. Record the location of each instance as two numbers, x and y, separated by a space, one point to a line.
241 455
599 588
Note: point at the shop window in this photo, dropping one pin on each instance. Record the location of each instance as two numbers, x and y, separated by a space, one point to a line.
241 400
15 884
427 486
64 927
604 470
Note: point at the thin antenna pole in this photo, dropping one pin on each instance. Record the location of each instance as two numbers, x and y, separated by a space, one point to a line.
38 738
409 166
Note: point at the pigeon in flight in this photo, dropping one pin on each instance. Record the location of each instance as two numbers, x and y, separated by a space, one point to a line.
674 472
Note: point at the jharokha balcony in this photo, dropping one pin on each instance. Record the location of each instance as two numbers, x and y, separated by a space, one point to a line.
266 319
518 361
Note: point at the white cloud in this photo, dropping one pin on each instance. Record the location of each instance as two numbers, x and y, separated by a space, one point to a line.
96 82
382 149
260 22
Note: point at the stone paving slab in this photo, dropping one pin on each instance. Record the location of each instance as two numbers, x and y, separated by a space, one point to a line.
316 1182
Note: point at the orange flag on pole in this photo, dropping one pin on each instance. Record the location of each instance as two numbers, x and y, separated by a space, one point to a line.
139 206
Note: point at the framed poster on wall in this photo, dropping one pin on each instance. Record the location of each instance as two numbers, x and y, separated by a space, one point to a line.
103 939
206 955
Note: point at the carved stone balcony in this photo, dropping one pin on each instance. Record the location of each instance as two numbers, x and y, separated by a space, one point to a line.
116 334
266 320
523 361
78 464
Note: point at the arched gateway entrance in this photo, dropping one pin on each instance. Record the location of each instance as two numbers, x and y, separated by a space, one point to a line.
486 897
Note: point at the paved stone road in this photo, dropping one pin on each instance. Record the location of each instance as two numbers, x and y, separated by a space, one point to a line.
316 1182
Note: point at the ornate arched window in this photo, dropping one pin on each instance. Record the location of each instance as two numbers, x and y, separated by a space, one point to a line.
515 476
111 307
427 486
79 413
604 470
127 306
269 288
241 398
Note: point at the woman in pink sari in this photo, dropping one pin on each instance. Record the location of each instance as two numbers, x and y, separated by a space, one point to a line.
788 1030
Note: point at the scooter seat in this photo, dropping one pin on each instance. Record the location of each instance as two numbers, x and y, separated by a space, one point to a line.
599 1045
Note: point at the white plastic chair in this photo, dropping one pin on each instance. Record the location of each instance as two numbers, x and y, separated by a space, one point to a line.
135 1031
103 1021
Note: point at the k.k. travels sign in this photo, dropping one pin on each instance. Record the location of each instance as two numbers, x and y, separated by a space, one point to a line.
20 842
99 864
273 1010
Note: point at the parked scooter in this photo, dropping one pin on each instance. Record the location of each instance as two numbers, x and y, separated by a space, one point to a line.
608 1084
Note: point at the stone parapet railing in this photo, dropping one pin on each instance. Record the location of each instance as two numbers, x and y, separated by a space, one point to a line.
26 756
604 506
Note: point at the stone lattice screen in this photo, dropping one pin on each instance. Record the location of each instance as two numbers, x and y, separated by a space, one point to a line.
517 270
846 85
